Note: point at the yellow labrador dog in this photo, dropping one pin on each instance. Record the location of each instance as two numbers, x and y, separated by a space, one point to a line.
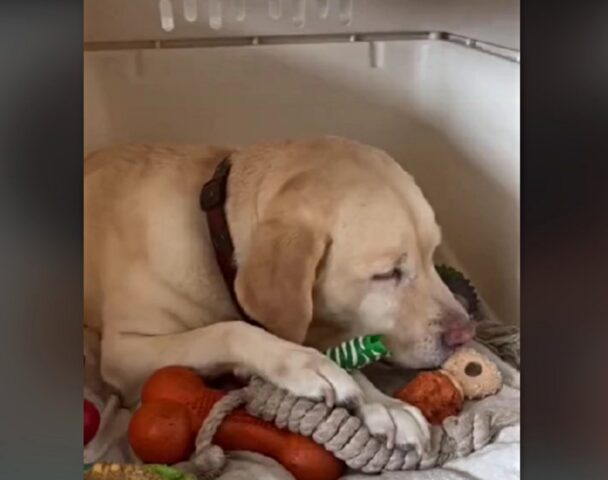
332 239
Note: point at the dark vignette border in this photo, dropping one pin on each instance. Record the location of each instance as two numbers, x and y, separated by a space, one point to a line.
564 295
41 239
564 239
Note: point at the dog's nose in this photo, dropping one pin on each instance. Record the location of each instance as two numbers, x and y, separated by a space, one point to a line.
458 331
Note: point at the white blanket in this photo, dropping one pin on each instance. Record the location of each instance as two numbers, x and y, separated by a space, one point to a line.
497 461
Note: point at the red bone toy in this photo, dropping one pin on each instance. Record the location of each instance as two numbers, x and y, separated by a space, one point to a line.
175 402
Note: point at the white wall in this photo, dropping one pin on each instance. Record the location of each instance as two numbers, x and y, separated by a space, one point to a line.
473 178
448 114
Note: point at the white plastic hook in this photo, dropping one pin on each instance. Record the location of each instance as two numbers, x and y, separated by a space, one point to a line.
345 12
275 9
299 14
166 15
377 54
323 6
239 10
215 14
190 10
136 72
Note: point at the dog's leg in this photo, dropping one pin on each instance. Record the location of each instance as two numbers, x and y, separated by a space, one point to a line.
400 423
128 358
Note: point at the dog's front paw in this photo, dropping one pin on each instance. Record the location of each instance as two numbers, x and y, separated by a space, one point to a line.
308 373
397 422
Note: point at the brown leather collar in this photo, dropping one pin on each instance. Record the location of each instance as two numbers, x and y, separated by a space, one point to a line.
212 200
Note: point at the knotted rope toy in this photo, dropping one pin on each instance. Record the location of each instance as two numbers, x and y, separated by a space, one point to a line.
200 405
335 429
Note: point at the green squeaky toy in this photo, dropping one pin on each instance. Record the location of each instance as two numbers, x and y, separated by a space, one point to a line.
358 352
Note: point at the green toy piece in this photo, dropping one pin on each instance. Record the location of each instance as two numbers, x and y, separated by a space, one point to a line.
358 352
461 287
170 473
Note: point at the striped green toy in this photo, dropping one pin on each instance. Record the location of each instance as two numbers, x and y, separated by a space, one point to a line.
358 352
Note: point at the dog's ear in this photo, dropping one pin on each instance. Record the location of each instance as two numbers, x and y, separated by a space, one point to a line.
275 283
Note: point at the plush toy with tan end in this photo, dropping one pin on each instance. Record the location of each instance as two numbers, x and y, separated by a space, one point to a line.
441 394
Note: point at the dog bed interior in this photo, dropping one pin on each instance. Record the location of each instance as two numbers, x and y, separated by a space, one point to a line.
434 83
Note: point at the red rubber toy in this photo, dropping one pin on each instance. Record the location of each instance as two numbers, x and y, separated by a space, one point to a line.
175 402
91 421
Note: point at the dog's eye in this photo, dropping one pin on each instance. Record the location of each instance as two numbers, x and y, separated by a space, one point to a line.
394 274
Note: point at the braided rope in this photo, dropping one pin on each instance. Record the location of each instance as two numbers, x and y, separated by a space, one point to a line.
208 460
341 433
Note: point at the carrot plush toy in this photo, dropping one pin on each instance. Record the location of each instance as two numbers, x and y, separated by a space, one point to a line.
441 393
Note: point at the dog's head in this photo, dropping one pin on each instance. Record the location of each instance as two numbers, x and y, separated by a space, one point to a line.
344 247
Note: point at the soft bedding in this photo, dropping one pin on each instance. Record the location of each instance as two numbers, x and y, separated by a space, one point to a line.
498 460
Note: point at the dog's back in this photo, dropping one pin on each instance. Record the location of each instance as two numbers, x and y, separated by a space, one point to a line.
137 200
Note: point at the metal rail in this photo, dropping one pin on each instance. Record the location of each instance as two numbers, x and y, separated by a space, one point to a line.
499 51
